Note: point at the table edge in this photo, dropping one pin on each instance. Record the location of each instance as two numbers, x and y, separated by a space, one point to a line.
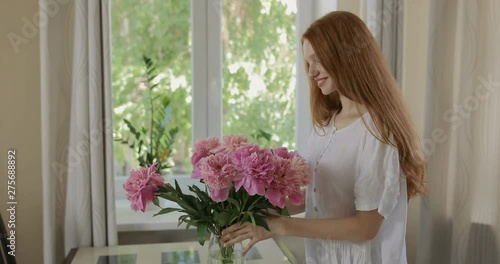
71 256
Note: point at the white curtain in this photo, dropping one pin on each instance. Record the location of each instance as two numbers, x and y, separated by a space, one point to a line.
76 127
384 18
460 218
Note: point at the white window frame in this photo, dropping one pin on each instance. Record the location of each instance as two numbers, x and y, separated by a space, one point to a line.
206 58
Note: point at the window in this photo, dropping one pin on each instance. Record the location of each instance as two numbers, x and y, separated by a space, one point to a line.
229 67
258 39
160 30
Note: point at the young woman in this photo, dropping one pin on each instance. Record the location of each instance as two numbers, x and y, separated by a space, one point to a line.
367 160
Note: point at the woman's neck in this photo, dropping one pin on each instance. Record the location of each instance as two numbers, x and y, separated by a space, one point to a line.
350 108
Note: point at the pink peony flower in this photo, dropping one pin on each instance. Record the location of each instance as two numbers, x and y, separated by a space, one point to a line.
284 153
255 168
291 172
204 148
232 142
141 185
302 169
196 173
218 173
286 183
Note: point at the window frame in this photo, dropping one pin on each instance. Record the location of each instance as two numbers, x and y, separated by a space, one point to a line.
206 114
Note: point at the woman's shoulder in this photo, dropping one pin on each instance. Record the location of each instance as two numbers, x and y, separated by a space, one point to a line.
373 136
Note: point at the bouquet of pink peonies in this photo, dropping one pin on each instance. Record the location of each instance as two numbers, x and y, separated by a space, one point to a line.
243 183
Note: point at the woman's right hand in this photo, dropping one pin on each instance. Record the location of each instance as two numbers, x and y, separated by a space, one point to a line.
239 232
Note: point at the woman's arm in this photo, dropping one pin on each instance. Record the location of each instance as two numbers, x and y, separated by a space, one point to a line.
362 226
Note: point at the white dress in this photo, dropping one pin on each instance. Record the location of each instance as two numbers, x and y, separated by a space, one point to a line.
353 171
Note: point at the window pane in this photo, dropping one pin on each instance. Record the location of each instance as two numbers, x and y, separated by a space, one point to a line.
259 68
159 29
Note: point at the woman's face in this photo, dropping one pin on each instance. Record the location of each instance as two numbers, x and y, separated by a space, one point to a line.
316 71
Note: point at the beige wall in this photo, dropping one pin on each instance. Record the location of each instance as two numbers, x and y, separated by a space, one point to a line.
415 44
20 125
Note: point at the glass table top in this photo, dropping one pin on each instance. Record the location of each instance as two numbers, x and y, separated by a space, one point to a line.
171 253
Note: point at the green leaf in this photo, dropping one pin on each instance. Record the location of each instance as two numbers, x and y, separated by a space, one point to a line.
252 218
262 134
222 218
151 70
131 127
154 86
201 194
150 78
177 187
234 202
146 59
234 216
261 222
156 202
285 212
167 210
167 114
201 231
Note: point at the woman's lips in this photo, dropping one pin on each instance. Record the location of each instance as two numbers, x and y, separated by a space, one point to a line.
322 81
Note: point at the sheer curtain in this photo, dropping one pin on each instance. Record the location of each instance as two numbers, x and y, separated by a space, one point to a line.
77 131
460 218
384 18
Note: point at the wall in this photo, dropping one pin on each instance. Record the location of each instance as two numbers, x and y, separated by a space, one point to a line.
20 124
415 43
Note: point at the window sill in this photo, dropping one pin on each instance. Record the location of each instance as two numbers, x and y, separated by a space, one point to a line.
129 220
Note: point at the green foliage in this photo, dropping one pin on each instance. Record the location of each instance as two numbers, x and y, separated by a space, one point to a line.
154 143
200 211
258 68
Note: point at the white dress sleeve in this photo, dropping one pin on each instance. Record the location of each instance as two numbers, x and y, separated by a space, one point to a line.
377 183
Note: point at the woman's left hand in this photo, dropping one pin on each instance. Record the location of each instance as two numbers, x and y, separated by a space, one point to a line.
239 232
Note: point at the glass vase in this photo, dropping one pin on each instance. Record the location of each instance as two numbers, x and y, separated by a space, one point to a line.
218 254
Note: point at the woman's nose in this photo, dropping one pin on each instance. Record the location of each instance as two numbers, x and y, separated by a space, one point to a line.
313 72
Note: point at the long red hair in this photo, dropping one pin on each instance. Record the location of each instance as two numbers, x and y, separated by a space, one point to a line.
348 52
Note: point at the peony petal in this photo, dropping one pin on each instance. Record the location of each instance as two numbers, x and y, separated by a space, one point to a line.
197 157
238 184
260 188
197 173
297 198
137 203
282 152
219 195
250 188
275 198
